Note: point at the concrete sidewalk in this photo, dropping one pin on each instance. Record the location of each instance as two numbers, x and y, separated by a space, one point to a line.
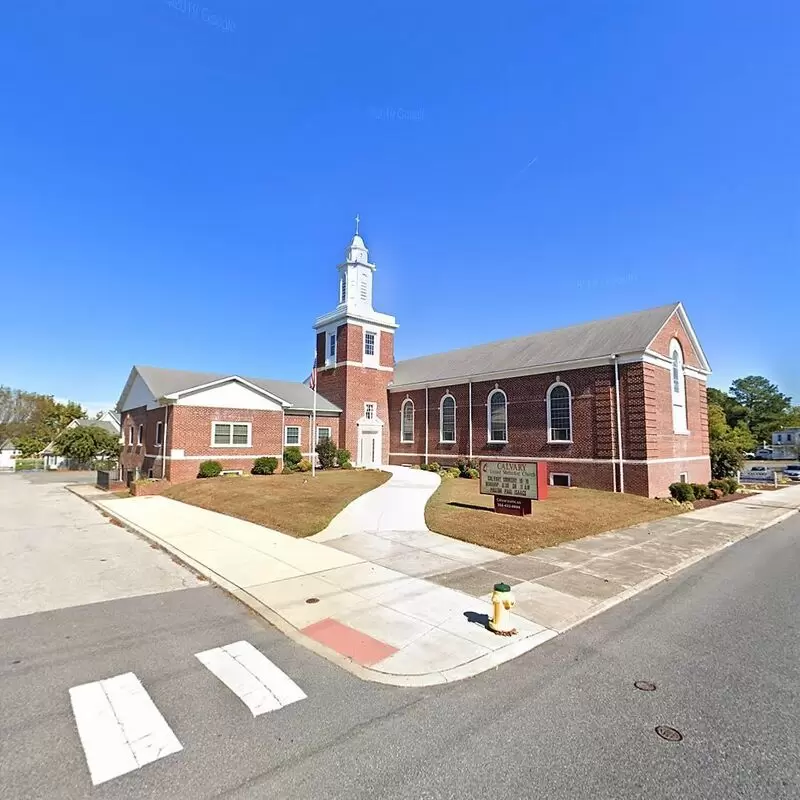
409 607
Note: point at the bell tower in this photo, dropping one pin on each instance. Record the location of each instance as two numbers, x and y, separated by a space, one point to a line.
355 359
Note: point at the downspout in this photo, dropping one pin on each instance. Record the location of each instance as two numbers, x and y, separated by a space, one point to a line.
619 426
470 419
426 424
164 444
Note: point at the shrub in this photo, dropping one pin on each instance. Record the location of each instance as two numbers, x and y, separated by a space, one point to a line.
291 458
454 471
209 469
265 465
304 465
732 485
434 467
682 492
465 465
472 473
715 494
719 483
346 465
326 451
343 457
701 491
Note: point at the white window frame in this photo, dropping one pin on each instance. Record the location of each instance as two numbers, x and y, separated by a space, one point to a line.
332 346
343 288
371 405
324 428
230 425
140 435
566 475
403 439
130 436
683 477
680 419
159 433
373 356
442 440
286 442
489 438
550 439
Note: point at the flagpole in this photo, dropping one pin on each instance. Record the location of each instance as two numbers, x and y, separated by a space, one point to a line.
314 421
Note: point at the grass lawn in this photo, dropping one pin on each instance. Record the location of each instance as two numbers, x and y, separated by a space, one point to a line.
296 503
458 509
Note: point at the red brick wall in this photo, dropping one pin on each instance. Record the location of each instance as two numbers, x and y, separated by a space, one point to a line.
660 476
673 329
147 455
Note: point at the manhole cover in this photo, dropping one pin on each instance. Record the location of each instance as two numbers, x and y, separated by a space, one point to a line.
312 600
645 686
670 734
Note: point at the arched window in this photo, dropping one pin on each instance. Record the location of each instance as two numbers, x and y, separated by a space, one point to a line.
559 413
679 424
447 419
407 421
343 288
497 406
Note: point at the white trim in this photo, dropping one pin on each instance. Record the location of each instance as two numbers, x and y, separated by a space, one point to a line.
470 420
442 440
413 411
218 456
374 405
489 439
344 316
286 442
550 439
566 475
140 435
131 437
159 434
215 422
695 342
658 360
354 364
560 460
680 416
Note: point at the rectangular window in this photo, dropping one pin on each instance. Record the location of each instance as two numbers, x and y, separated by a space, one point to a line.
560 479
292 436
332 345
788 437
369 343
683 477
323 435
130 436
231 434
140 437
369 410
159 433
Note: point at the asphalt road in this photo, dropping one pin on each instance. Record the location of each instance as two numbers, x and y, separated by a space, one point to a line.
720 641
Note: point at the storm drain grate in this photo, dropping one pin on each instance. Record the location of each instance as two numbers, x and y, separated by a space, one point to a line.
670 734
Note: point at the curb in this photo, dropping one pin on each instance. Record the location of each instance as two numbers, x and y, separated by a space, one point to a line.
466 670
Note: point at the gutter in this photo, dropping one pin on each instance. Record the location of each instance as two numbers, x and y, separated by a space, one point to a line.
619 427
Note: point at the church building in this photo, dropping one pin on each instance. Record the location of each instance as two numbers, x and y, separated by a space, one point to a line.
616 404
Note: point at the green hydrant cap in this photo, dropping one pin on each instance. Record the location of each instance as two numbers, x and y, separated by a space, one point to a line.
502 587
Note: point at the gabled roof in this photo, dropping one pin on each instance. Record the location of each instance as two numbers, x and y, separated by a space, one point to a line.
7 445
97 423
629 333
162 382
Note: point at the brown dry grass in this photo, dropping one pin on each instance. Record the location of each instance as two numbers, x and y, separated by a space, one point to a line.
458 509
296 503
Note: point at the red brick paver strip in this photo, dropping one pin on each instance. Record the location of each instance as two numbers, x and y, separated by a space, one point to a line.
349 642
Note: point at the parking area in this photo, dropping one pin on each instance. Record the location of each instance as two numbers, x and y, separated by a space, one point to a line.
57 476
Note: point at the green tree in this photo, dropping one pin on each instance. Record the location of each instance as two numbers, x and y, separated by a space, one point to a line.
85 444
766 406
727 444
734 413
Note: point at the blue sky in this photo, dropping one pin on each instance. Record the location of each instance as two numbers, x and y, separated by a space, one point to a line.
179 180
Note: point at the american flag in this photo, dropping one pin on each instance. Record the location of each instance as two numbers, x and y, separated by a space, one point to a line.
312 381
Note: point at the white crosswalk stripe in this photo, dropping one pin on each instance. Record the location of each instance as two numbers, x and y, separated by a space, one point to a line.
250 675
119 726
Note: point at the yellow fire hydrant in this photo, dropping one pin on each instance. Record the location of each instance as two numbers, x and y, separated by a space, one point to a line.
503 602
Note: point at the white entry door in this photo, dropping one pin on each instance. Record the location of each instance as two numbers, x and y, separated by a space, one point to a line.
369 448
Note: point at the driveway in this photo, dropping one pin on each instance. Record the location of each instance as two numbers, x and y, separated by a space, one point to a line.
58 551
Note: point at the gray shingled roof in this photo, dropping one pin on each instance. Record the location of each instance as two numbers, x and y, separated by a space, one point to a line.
167 381
625 334
96 423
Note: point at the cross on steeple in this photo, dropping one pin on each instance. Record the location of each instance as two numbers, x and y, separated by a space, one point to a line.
358 219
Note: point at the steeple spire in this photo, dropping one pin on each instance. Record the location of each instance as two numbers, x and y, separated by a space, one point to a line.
358 219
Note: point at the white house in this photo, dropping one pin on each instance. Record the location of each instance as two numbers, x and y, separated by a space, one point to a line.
785 443
8 452
108 421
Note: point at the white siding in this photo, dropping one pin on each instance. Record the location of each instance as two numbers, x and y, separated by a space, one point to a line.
229 395
139 395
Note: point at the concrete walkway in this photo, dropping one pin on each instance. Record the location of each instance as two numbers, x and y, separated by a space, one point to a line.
382 596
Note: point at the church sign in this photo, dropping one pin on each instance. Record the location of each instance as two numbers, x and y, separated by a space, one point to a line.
514 484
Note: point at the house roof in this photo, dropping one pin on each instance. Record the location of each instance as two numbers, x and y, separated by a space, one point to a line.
97 423
162 382
7 445
628 333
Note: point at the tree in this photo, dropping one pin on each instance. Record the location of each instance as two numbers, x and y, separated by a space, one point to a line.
766 406
734 413
727 444
85 444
